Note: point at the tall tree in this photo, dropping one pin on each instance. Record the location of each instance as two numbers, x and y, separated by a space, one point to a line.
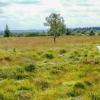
56 24
6 31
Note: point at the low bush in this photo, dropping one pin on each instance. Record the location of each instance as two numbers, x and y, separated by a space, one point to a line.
49 55
30 67
62 51
7 59
20 76
79 85
73 94
88 83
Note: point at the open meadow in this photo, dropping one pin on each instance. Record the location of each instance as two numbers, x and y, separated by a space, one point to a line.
36 68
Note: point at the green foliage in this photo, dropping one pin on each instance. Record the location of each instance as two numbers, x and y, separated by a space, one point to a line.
6 32
95 97
30 67
91 33
73 93
79 85
23 95
88 83
42 85
62 51
68 31
67 70
56 24
49 55
2 96
33 34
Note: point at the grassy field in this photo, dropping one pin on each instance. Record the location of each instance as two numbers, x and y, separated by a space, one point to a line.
34 68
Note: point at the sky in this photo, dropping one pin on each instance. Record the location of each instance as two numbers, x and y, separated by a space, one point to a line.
30 14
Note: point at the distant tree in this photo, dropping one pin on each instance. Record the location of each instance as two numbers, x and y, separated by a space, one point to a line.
91 33
68 32
6 31
83 32
56 24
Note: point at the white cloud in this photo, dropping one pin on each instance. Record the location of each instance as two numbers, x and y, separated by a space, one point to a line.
75 12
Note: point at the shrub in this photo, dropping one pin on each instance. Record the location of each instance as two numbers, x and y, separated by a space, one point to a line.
79 85
62 51
30 68
3 75
7 59
14 49
20 76
91 33
88 83
49 56
73 94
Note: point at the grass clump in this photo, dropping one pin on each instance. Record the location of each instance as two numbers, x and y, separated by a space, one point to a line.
20 76
57 70
26 85
30 67
7 59
40 70
49 56
23 95
43 85
88 83
73 93
95 97
2 96
79 85
62 51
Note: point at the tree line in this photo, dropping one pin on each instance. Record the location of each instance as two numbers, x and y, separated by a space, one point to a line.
57 27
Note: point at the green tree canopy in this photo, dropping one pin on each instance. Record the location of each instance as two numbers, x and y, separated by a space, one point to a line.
56 25
6 31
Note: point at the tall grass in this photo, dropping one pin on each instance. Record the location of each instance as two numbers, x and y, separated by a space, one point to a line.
34 68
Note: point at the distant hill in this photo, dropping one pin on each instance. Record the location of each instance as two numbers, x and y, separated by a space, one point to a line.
97 29
25 31
87 29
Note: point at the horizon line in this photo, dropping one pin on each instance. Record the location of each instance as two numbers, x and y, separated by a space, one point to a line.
47 29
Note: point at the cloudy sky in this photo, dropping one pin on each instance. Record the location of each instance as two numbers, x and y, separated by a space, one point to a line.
30 14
